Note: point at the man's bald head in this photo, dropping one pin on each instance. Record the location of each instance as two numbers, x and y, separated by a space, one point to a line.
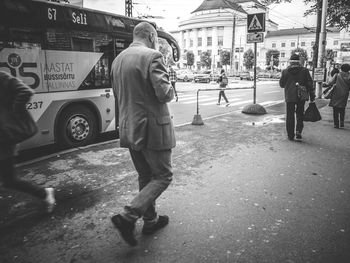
146 33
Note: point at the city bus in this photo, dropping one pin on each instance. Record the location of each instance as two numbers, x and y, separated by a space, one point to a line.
64 53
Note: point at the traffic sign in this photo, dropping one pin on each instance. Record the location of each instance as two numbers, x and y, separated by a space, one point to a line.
255 37
256 23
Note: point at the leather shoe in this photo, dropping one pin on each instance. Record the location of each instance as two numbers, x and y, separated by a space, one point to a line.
162 222
125 228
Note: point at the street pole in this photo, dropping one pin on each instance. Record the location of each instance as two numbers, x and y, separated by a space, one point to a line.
322 44
233 42
128 8
255 50
317 39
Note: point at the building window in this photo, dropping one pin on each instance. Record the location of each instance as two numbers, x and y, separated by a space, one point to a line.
273 45
191 42
335 42
199 41
209 41
283 44
220 40
303 44
283 54
292 44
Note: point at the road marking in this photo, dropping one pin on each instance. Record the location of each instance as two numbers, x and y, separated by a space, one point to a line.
239 103
274 91
200 100
214 102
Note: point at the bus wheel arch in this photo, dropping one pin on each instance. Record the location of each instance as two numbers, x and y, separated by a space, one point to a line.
78 124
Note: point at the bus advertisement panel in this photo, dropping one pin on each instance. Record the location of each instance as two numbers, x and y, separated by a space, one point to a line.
64 53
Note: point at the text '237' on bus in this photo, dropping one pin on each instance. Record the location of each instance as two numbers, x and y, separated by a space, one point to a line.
65 54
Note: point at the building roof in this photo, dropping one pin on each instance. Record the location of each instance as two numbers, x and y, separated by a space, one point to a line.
217 4
298 31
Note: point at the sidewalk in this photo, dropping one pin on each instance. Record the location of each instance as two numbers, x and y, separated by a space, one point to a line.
241 193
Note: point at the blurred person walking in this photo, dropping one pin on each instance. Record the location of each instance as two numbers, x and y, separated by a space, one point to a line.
223 81
173 79
14 95
292 78
142 89
340 94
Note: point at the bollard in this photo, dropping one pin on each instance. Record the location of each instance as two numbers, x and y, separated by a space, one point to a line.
254 109
197 120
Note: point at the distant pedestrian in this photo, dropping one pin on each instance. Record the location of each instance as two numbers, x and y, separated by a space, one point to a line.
173 79
291 77
340 94
14 95
223 81
141 86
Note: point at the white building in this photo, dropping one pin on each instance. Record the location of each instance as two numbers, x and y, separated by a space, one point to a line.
211 27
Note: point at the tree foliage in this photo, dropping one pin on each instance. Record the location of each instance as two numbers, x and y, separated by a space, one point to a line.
164 48
338 11
225 57
248 59
273 54
206 59
190 58
302 54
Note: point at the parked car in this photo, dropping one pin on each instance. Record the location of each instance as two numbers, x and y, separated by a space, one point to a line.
203 76
264 74
184 75
245 75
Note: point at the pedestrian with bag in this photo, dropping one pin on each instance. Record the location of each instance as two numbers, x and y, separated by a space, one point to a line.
298 88
142 89
223 81
340 85
17 125
173 79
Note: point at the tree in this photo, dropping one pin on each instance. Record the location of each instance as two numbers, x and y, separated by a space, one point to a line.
206 59
225 56
190 58
302 54
338 11
248 59
164 48
275 55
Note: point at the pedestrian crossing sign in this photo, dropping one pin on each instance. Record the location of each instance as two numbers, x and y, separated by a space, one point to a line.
256 23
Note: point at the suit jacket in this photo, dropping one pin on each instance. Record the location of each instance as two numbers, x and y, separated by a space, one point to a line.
142 89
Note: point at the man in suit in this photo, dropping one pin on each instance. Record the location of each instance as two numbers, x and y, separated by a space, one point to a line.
142 89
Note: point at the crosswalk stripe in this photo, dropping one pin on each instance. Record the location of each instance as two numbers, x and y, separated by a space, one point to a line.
240 102
214 102
274 91
200 100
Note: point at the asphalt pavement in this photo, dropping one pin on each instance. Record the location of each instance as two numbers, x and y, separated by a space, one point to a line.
242 192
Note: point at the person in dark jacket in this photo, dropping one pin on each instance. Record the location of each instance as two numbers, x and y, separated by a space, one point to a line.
14 94
292 75
340 95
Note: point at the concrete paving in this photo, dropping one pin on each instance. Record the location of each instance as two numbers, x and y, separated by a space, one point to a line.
241 192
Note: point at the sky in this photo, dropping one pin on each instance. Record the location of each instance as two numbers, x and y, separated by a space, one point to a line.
287 15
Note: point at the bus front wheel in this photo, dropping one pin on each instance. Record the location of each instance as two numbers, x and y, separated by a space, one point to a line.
77 127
